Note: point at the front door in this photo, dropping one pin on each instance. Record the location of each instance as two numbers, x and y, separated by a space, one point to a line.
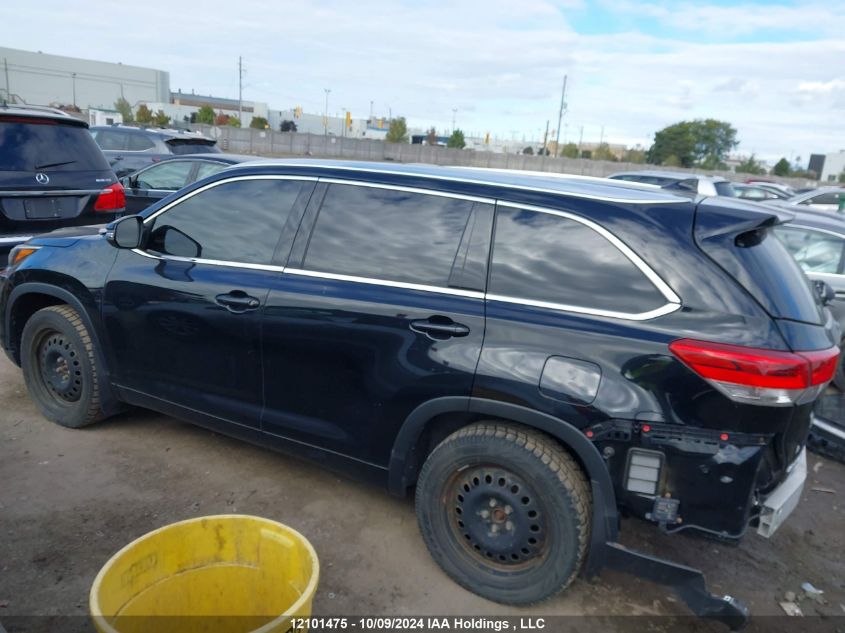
380 309
183 315
154 183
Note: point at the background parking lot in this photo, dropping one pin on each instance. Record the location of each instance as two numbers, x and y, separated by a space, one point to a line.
70 499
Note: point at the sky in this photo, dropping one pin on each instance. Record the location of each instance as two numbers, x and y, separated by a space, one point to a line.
775 69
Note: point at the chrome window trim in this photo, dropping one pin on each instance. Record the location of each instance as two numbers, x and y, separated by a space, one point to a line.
789 225
666 308
217 183
366 170
427 192
626 250
212 262
471 294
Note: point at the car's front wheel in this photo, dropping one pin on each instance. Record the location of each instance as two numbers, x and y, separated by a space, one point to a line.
505 511
60 368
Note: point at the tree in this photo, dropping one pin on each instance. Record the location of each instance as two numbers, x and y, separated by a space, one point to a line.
529 151
750 166
782 168
603 152
144 115
634 155
122 106
233 122
570 150
702 142
259 123
161 118
842 177
287 126
398 131
431 136
205 115
456 140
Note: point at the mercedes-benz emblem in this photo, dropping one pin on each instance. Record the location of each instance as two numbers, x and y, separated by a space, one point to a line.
42 179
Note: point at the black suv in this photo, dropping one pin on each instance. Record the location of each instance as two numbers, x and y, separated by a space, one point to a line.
129 149
530 354
52 174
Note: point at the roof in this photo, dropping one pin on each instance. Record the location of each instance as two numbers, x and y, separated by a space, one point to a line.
232 159
576 186
160 131
41 112
659 173
820 220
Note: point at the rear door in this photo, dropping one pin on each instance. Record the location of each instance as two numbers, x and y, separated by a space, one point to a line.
183 316
380 309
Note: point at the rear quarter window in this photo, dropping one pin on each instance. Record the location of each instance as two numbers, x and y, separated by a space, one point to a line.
550 258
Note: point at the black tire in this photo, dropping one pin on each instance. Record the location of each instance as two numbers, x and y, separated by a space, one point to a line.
60 368
530 489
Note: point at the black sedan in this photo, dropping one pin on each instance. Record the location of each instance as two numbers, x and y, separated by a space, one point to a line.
147 185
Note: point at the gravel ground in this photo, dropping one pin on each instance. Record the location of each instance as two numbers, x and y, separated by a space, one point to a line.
70 499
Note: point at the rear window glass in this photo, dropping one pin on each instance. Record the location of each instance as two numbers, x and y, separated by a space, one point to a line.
48 147
725 189
192 147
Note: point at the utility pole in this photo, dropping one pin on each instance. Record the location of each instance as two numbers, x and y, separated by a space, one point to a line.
371 111
73 78
546 139
580 140
560 115
454 114
601 138
8 90
240 90
326 113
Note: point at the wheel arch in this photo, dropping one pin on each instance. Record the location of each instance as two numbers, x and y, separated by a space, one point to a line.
29 297
434 420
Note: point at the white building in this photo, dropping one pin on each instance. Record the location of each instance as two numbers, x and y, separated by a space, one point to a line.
39 78
834 164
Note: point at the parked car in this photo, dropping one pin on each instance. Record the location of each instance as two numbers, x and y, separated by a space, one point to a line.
680 181
52 174
152 183
785 191
532 355
816 239
758 193
132 148
821 199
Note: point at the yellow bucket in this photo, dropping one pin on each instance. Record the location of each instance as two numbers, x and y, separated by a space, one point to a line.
226 573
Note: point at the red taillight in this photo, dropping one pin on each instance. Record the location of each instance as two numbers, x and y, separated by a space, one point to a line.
761 375
112 198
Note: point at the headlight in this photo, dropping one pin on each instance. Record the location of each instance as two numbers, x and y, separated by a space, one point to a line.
20 253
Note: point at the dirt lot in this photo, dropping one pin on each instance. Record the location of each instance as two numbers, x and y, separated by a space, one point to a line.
70 499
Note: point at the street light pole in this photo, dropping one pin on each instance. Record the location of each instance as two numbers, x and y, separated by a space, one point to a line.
73 78
560 116
326 113
454 113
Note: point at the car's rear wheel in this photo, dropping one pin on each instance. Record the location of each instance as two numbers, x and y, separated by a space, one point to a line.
60 368
505 511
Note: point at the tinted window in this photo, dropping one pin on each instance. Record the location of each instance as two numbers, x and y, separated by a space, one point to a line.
192 146
110 139
238 221
816 252
825 198
550 258
169 175
725 189
207 169
385 234
139 143
47 146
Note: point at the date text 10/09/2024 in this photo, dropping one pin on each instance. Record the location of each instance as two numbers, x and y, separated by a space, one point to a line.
430 623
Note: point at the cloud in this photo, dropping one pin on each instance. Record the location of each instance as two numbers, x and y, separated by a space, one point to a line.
500 64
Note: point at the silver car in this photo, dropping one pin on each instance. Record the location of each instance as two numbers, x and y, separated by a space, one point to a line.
680 181
821 199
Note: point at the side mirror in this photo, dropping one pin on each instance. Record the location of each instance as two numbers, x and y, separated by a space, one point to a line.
824 290
126 232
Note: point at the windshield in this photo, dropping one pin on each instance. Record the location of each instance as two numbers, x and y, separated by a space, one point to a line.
47 145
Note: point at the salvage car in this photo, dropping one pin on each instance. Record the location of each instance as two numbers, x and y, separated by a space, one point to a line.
152 183
129 149
52 174
531 355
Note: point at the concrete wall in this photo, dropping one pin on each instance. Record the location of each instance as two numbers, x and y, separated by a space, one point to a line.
42 79
278 144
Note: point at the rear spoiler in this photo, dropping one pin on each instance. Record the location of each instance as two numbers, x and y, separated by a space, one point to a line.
721 217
